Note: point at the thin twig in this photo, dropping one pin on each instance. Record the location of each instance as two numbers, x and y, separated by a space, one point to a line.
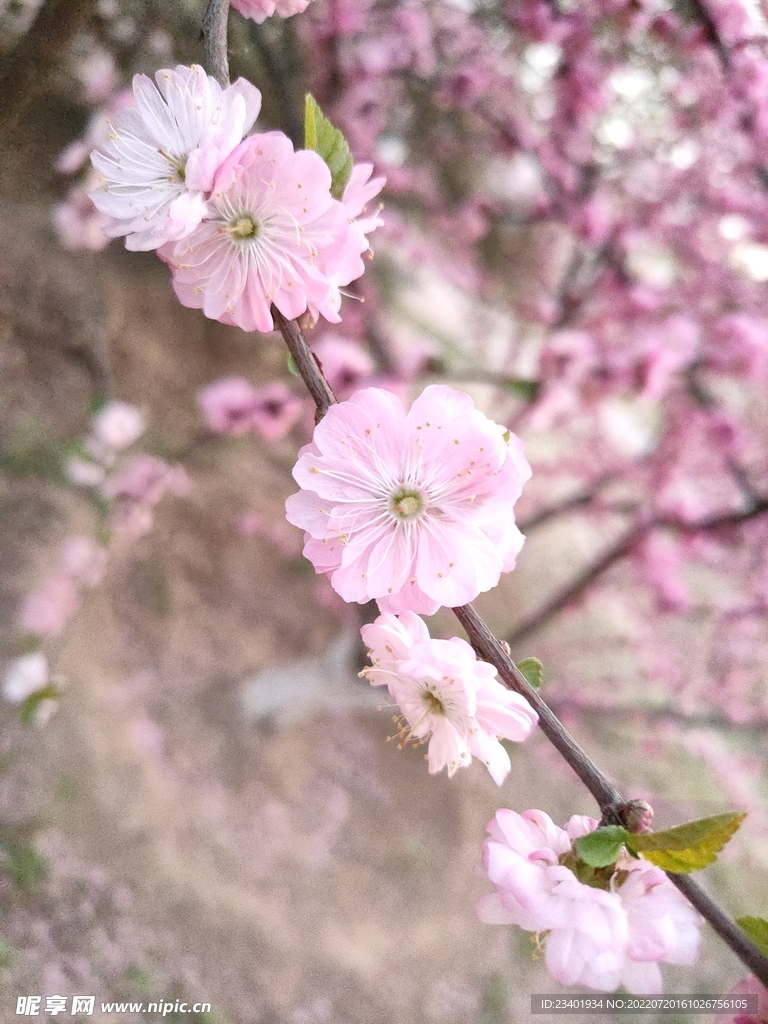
489 648
574 590
214 34
306 363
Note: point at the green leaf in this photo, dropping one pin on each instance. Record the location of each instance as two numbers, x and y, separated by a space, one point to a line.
29 708
757 929
292 367
527 389
533 671
320 135
687 847
23 864
601 847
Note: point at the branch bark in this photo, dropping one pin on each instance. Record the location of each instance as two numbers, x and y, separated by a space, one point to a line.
214 34
487 646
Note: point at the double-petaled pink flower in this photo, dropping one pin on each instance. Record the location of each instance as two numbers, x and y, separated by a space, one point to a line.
160 160
269 220
413 509
446 695
603 935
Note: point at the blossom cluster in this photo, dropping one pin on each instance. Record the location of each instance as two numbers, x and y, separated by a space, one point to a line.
446 695
233 406
243 222
612 929
130 483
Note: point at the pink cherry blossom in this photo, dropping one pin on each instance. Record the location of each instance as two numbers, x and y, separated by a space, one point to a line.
83 560
47 610
260 10
25 676
615 932
345 364
269 218
233 406
145 479
118 425
77 222
343 262
749 986
227 405
416 509
446 695
162 154
275 411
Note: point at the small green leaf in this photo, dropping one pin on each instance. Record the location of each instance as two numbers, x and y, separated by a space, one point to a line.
601 847
533 671
757 929
320 135
97 404
292 367
23 864
687 847
527 389
29 708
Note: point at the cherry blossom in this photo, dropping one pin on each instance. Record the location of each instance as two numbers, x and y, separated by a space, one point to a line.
260 10
345 364
343 263
160 160
270 217
233 406
416 509
227 405
614 931
446 695
748 986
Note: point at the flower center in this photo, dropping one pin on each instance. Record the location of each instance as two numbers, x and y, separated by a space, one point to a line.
244 227
407 503
433 704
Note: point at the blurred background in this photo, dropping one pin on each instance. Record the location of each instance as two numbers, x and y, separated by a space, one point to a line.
201 803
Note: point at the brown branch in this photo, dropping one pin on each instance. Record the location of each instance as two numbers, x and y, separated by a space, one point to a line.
489 648
214 35
574 590
584 497
25 71
306 363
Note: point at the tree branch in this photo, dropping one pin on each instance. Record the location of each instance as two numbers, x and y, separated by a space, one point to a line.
489 648
214 35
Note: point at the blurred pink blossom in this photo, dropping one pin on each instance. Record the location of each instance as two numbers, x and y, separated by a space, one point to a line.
748 986
46 611
84 560
260 10
118 425
345 364
227 405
